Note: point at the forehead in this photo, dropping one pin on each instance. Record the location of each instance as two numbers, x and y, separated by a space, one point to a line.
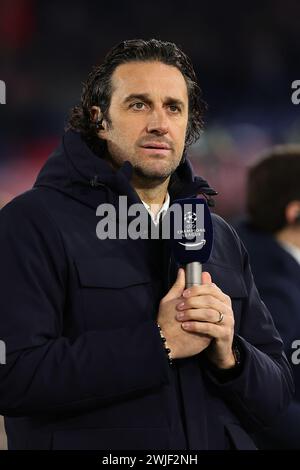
153 78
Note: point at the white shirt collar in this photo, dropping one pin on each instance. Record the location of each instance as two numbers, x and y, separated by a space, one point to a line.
292 249
156 217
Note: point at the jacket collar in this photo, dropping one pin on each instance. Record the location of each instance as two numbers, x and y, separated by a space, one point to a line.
73 168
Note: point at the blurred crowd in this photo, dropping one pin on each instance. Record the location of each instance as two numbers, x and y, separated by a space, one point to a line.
246 57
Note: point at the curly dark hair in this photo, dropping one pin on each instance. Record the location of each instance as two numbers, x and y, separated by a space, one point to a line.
97 90
273 182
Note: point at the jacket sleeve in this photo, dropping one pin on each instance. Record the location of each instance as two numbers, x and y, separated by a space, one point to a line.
263 388
44 370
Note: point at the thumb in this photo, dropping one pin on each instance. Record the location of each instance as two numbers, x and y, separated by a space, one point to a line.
206 278
178 286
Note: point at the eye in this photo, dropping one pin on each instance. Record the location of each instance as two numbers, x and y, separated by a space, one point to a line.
174 108
138 105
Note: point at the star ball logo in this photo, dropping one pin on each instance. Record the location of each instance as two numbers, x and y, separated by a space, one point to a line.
190 217
2 92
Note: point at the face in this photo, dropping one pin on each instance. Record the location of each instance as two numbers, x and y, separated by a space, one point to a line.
149 115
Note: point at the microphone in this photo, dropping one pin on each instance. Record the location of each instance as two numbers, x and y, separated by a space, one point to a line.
191 235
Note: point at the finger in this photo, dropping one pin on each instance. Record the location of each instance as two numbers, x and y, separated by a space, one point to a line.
201 301
178 286
206 289
206 278
211 329
207 315
204 315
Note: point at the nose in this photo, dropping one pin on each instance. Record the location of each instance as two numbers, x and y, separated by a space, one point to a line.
158 123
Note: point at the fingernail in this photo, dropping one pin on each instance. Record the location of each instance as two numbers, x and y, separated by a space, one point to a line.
180 316
186 293
186 325
181 305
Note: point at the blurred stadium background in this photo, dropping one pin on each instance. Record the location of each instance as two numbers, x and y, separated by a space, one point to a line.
246 55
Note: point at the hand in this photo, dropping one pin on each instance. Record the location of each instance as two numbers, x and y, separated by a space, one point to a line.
202 308
182 343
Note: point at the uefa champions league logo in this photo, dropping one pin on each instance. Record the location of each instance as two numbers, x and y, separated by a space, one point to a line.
191 231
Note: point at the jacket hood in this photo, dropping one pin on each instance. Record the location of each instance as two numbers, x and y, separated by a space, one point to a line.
73 167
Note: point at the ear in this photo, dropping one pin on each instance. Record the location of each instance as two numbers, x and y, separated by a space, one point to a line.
292 212
96 116
95 113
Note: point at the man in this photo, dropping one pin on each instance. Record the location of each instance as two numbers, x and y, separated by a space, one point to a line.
272 236
98 356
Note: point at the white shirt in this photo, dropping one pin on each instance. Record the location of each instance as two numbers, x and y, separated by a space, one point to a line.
292 249
156 217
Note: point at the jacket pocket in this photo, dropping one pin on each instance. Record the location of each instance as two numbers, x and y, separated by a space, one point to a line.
115 292
110 272
111 439
238 437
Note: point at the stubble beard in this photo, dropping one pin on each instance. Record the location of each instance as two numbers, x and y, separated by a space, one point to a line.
153 177
155 172
144 173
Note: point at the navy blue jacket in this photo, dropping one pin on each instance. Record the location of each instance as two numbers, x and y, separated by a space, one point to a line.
277 276
86 368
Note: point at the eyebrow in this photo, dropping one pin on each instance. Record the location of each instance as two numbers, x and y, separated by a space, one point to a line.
145 97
